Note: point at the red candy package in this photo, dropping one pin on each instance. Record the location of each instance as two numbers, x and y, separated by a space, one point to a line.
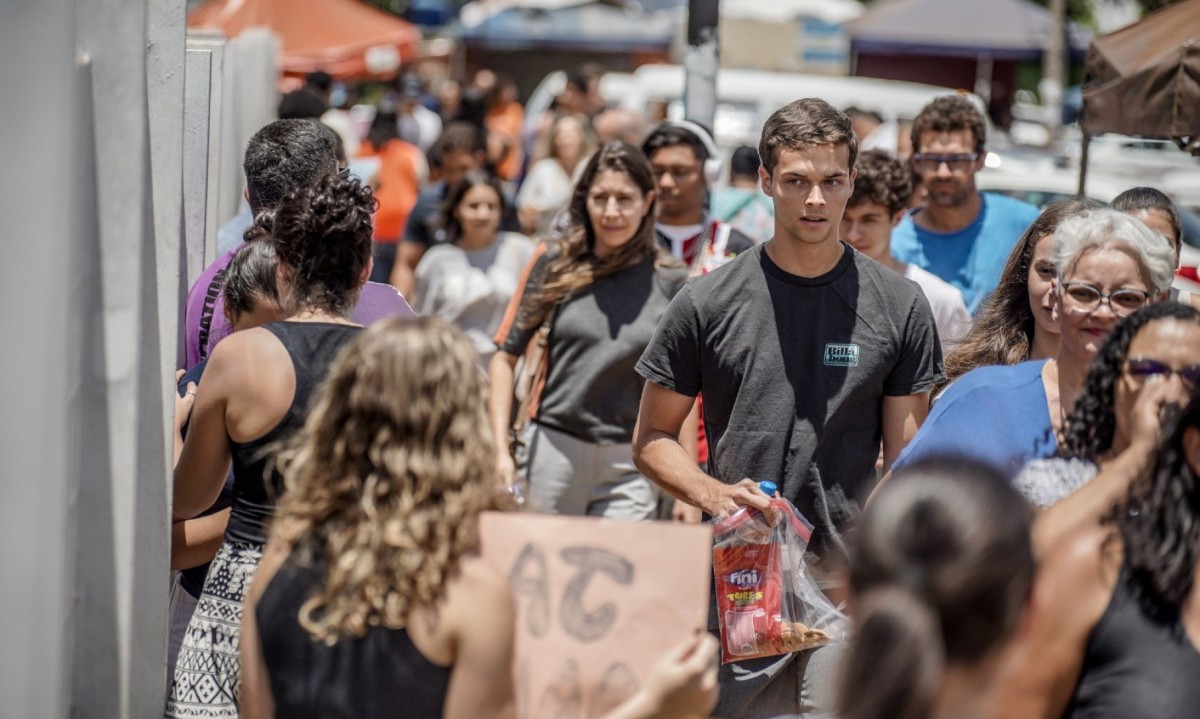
767 604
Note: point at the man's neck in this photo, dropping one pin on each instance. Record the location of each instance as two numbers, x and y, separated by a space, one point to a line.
950 219
803 259
682 219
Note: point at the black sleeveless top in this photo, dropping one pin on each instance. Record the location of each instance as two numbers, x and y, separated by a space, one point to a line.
1137 664
381 674
312 347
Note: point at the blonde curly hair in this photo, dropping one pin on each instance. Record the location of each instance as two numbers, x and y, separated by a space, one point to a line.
386 480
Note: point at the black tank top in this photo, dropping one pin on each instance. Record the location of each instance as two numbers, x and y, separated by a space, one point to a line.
381 674
312 347
1137 664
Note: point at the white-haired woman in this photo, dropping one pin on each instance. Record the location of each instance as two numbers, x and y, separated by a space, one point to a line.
1109 266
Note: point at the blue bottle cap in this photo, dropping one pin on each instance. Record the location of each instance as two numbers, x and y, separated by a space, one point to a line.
768 487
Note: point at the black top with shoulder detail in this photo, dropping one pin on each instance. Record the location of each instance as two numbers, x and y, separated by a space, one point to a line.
312 347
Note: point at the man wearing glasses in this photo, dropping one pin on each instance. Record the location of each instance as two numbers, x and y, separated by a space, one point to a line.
686 161
962 235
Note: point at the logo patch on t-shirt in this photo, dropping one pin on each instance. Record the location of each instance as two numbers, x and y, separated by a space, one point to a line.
841 355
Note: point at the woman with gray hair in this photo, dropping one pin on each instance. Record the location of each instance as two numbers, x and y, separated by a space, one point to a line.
1109 266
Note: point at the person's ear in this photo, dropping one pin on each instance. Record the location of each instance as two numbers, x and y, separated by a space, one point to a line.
852 178
981 160
898 216
764 179
246 194
650 195
366 273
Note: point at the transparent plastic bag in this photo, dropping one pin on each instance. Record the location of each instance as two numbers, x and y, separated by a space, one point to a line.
767 603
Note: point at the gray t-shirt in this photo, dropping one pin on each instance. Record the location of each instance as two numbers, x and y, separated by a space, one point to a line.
592 391
794 371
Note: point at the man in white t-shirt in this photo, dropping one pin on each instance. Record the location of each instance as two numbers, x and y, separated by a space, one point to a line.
881 193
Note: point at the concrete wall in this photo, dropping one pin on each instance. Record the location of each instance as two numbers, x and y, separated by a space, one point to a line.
90 278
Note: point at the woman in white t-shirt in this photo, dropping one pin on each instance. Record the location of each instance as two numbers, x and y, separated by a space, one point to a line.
547 187
469 280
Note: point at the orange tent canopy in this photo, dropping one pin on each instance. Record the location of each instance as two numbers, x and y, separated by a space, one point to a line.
346 38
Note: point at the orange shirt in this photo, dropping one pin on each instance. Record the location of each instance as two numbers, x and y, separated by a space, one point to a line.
505 121
398 185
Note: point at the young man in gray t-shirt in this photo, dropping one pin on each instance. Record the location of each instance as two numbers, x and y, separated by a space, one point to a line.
809 356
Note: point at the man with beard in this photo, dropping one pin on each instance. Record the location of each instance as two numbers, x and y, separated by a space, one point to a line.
962 235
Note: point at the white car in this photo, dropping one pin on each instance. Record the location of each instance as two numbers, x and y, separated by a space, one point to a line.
1038 187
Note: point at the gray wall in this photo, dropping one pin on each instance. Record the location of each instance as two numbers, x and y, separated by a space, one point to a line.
90 278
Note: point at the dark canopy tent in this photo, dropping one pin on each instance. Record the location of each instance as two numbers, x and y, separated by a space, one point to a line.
526 39
972 44
1144 79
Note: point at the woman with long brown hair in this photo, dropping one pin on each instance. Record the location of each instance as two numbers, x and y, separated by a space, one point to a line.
601 290
1016 322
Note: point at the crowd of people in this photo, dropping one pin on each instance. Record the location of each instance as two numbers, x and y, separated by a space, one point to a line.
987 411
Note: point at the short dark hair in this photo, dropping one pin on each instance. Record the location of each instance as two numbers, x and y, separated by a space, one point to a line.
319 80
668 134
883 180
1145 199
744 162
302 104
807 122
950 113
285 156
461 136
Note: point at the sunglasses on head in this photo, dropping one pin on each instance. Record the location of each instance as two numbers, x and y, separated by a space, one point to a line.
1145 368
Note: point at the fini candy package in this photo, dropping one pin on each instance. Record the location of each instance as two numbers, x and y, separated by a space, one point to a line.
767 604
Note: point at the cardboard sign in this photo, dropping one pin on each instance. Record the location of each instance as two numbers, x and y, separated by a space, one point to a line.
598 603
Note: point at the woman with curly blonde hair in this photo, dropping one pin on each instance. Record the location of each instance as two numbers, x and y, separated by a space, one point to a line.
371 599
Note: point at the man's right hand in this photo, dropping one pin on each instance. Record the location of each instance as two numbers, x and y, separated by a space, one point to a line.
725 499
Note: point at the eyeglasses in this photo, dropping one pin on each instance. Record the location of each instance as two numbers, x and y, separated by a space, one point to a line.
957 163
1142 369
1122 302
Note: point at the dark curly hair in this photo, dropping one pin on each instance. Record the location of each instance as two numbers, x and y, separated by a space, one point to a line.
882 180
1089 428
323 235
950 113
1160 525
1003 330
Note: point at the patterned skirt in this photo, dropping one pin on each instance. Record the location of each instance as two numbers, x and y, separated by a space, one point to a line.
207 674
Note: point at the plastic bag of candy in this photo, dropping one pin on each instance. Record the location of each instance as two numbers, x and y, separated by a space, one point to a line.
767 603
